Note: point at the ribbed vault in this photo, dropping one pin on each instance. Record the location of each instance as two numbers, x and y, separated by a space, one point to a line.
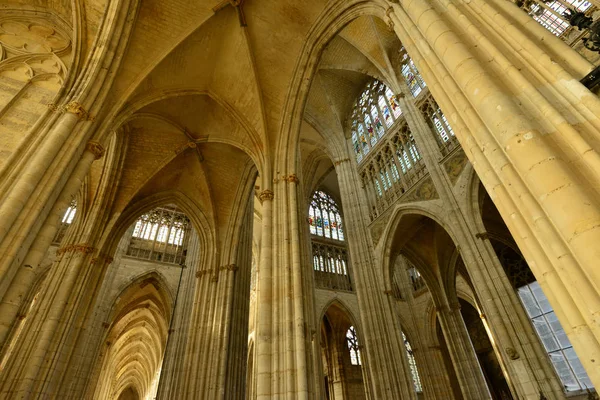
135 342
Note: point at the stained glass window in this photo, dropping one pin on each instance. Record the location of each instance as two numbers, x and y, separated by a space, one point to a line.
352 341
555 340
375 110
413 78
412 363
324 217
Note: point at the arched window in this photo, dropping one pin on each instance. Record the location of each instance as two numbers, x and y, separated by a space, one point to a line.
65 222
159 235
412 364
374 112
411 75
352 341
324 217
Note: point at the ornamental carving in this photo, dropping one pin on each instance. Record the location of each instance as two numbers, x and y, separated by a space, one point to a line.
96 149
76 248
266 195
77 109
19 36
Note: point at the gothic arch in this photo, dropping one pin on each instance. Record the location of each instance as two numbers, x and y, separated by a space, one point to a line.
331 21
199 220
136 338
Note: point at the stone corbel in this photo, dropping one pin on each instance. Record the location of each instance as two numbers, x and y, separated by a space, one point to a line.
512 353
77 109
96 149
387 19
292 178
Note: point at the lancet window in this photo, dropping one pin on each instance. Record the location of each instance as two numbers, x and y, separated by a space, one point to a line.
415 277
412 364
330 255
411 75
65 222
353 347
375 111
160 235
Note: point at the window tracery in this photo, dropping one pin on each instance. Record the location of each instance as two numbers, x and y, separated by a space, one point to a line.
324 217
353 347
411 75
412 364
330 255
374 112
159 235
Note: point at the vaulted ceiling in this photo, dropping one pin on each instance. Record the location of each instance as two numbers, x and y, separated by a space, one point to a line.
217 77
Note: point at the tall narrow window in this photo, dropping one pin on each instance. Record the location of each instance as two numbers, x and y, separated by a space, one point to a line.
324 217
353 346
65 222
413 78
553 336
375 110
412 364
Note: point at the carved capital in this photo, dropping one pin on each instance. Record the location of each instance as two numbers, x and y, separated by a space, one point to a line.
338 162
96 149
76 248
52 107
266 195
77 109
215 278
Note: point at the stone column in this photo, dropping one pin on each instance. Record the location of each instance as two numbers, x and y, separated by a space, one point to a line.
492 293
264 313
384 369
536 150
28 272
466 365
435 381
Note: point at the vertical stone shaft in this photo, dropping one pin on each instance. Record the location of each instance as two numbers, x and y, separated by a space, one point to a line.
29 270
265 300
382 339
522 164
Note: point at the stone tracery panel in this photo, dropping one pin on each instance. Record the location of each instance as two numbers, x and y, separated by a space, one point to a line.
33 67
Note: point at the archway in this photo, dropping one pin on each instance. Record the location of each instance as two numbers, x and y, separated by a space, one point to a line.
135 342
341 356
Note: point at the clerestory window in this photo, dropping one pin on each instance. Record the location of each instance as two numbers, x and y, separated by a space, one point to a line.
412 364
324 217
353 347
